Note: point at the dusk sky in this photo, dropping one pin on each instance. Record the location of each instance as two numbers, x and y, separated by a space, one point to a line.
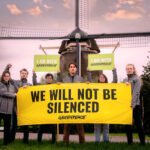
96 16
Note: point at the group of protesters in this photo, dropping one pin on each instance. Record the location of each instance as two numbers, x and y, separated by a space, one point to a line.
8 105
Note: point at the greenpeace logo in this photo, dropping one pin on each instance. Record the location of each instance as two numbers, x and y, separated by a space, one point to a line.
72 117
46 65
103 63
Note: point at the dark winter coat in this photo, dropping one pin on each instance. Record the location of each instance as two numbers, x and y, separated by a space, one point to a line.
7 96
74 79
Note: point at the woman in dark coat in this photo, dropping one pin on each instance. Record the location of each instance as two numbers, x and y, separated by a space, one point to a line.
7 96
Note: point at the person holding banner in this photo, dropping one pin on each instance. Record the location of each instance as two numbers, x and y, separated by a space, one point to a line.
23 82
133 79
7 96
104 127
49 79
73 77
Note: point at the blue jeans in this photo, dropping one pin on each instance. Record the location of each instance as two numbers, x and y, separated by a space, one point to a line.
98 128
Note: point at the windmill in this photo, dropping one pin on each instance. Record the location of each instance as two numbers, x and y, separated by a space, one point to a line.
78 44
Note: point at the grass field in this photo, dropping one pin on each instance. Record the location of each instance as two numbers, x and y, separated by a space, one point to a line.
46 145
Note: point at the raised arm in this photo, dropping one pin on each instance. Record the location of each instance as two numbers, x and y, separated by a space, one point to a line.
8 67
115 77
12 81
34 78
89 76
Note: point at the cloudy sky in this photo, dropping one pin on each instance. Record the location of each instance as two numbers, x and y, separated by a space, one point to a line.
96 16
103 16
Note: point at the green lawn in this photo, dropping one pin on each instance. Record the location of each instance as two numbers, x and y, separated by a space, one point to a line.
135 135
46 145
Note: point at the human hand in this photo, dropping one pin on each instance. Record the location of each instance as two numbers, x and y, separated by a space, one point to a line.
33 71
9 65
25 86
128 83
58 83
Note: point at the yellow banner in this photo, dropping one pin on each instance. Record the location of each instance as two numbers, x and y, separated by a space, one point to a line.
75 103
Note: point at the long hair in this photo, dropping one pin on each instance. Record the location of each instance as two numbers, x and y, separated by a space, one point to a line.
3 74
106 79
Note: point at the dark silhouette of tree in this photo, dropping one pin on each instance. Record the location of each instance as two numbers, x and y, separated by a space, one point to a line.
145 95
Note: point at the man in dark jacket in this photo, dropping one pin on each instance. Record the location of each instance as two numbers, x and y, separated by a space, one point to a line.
73 77
49 79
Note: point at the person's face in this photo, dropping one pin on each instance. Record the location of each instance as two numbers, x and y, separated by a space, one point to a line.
49 79
23 74
102 79
72 69
6 77
130 69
